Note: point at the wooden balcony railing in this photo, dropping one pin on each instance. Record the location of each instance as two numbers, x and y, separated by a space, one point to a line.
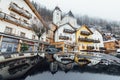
14 7
68 31
24 24
64 37
14 20
96 41
85 40
88 40
85 33
90 47
102 48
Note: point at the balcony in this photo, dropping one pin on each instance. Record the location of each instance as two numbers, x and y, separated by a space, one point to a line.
12 19
64 37
68 31
27 14
2 15
24 24
90 47
85 40
16 21
14 7
85 33
96 41
102 48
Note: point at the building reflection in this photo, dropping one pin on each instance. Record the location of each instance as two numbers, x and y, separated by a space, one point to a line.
22 71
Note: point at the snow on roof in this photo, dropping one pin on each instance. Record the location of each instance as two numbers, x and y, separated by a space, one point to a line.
111 40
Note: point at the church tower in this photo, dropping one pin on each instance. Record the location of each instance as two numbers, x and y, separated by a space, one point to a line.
57 15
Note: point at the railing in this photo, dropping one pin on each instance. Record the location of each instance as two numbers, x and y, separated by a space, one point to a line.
12 19
85 33
102 48
24 24
68 31
85 39
2 15
96 41
14 7
88 40
27 14
64 37
90 47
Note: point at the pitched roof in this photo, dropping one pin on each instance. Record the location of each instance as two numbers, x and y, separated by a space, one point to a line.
67 24
94 29
70 14
57 8
87 28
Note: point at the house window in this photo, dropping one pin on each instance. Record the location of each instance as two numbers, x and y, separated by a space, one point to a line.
8 30
33 36
22 34
9 45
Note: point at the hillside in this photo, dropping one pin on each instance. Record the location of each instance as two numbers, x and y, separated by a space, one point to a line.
102 25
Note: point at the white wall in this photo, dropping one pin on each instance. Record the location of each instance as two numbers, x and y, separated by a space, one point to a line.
60 31
4 6
97 36
71 20
16 30
56 17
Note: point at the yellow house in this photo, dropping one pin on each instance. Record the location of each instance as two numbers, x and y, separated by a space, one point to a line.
84 39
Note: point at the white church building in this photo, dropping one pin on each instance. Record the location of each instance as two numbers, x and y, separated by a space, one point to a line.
65 33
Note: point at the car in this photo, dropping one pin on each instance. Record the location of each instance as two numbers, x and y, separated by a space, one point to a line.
51 50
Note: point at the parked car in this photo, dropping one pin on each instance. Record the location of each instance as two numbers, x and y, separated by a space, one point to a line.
51 50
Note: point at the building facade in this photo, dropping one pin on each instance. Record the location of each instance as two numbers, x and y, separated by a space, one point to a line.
66 34
15 25
110 46
98 44
84 39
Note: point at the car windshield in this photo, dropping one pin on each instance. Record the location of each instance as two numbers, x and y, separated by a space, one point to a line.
53 49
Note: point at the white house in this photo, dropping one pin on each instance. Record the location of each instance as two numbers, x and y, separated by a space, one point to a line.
15 25
97 36
65 33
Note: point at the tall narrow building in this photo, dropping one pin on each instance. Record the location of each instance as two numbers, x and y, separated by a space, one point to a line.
57 14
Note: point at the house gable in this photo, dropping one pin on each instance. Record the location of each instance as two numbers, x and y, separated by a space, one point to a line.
85 28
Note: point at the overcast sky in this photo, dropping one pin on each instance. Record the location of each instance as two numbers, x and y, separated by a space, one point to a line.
105 9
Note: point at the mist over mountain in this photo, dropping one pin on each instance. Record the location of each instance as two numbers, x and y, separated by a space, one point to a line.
100 24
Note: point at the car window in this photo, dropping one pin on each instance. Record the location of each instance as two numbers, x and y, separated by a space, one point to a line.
47 50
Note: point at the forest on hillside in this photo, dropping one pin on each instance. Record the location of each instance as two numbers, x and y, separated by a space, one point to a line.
100 24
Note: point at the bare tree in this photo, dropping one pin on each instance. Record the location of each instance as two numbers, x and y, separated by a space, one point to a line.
39 31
